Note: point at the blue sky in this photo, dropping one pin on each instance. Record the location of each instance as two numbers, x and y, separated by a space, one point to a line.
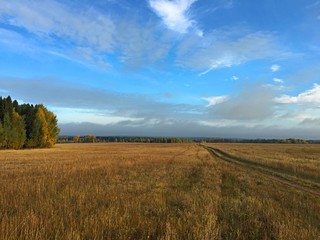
214 68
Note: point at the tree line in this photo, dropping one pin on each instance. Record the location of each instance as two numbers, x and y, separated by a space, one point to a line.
237 140
93 139
26 125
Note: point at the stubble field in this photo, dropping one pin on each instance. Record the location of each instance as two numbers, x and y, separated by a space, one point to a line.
109 191
156 191
269 191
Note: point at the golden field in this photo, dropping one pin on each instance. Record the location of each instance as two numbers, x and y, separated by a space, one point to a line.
109 191
151 191
255 204
302 160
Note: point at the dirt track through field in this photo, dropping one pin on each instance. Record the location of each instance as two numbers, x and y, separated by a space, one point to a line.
277 176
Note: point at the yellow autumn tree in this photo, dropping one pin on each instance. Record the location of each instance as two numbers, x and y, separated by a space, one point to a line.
44 129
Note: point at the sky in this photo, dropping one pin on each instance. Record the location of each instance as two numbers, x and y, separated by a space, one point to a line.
185 68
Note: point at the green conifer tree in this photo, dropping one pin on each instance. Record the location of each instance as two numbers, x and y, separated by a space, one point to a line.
18 132
7 126
1 135
14 134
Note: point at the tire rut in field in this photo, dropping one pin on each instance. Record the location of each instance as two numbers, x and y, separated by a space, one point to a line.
285 179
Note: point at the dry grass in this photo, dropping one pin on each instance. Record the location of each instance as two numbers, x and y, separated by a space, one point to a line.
109 191
252 206
153 191
302 160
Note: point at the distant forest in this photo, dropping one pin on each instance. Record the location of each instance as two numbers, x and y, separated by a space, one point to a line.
137 139
97 139
26 125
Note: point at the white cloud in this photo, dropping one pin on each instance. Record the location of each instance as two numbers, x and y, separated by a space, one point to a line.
66 115
83 35
174 14
91 36
214 100
309 96
16 42
141 45
218 123
47 18
222 49
62 94
223 62
235 78
277 80
275 68
252 102
61 30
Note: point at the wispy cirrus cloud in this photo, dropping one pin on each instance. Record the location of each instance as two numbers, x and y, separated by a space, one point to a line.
84 35
61 29
95 37
222 49
174 14
50 19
